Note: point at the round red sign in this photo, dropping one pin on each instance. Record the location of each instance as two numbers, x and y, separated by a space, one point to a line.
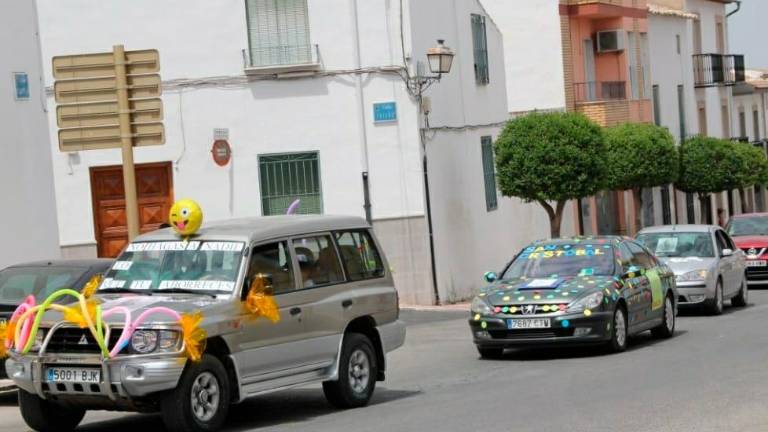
221 152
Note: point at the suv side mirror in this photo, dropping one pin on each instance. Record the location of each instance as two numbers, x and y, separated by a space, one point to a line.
490 277
727 252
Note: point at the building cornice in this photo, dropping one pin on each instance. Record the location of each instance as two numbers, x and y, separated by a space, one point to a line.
659 10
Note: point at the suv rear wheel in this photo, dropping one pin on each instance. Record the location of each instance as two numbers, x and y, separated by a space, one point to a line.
44 416
357 374
201 400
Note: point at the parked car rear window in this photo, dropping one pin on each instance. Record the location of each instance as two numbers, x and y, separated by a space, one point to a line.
580 259
757 225
318 261
19 282
678 244
361 259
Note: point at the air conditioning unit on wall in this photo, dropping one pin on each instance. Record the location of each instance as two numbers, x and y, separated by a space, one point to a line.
610 41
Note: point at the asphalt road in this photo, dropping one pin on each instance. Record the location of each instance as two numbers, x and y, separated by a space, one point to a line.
712 376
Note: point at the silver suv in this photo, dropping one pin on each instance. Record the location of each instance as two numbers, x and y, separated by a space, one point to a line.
338 318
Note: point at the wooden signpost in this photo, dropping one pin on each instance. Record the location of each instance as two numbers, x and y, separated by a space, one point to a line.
110 100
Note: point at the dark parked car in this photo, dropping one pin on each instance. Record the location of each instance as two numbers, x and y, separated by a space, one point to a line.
40 279
575 291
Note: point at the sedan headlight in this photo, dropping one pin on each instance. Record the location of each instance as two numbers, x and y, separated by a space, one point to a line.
693 276
479 306
591 301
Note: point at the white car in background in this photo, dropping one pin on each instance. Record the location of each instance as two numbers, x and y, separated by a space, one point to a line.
709 268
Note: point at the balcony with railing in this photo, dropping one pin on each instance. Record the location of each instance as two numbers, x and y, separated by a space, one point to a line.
281 59
596 91
711 70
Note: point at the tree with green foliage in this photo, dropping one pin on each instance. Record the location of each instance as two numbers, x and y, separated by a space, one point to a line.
706 166
752 169
640 155
551 157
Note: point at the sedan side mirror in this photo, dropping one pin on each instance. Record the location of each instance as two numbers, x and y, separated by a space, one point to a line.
490 277
727 252
633 272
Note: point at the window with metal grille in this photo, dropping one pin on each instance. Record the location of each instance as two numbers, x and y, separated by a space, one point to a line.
480 44
278 32
489 173
287 177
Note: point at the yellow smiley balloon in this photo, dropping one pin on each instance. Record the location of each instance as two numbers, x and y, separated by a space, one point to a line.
186 217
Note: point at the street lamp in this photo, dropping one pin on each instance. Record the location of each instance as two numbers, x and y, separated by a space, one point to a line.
440 60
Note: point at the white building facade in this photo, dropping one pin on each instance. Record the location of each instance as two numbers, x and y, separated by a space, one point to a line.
28 225
311 96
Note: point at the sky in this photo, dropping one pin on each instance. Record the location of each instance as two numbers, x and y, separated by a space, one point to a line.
746 32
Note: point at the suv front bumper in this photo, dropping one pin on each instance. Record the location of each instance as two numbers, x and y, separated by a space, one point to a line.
121 378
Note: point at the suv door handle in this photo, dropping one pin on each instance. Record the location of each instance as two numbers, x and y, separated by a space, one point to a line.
295 311
346 303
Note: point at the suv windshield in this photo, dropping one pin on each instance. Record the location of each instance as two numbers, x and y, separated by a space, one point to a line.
16 283
757 225
678 244
207 267
562 260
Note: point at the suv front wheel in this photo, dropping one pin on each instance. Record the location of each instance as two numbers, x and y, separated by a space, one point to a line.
357 374
201 400
44 416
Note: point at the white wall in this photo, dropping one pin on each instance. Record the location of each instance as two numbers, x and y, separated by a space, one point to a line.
27 203
202 39
747 103
469 239
670 69
532 52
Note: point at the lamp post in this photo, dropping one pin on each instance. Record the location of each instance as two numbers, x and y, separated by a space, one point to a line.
440 59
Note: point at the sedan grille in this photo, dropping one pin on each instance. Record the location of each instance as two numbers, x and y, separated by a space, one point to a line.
753 251
757 273
531 333
74 340
533 309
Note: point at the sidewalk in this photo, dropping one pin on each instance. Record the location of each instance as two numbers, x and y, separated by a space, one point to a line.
7 385
447 307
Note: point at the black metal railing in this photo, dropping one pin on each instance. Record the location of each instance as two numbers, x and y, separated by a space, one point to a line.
592 91
718 69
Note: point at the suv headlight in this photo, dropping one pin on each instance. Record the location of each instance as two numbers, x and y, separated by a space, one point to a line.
591 301
479 306
149 341
693 276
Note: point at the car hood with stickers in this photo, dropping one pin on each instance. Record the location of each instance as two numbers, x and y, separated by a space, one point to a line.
682 265
553 291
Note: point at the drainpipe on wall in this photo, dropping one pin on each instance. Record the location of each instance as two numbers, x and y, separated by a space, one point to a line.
361 128
738 8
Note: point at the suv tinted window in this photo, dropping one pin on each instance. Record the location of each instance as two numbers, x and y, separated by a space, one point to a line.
318 261
361 259
273 261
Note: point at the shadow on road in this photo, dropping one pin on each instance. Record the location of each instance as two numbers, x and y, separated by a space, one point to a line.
8 399
294 406
701 312
638 342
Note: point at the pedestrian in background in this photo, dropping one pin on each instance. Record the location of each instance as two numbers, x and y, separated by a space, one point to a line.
721 217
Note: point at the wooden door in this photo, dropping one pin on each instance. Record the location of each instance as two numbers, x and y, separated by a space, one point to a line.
154 187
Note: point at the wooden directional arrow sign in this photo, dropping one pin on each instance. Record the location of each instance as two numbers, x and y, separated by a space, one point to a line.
110 100
87 92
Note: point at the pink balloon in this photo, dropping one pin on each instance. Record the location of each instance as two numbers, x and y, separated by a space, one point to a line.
293 207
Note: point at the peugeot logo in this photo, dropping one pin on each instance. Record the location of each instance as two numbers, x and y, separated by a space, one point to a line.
752 252
82 341
529 309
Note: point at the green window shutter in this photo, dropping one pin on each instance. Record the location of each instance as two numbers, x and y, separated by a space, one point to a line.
489 173
278 32
288 177
480 48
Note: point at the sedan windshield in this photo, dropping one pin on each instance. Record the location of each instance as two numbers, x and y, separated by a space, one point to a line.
16 283
206 267
757 225
562 260
678 244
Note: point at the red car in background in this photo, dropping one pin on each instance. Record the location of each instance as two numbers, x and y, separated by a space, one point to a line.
750 233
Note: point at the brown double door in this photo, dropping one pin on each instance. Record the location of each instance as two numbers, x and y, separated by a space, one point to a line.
154 186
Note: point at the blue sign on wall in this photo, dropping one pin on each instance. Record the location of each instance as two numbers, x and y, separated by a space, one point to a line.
21 81
384 112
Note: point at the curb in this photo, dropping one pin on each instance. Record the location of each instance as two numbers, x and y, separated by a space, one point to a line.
459 307
7 385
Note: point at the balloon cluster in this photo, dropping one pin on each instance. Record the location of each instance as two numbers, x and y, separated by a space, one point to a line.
21 330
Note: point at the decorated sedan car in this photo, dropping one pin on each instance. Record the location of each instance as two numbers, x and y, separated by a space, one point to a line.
708 267
750 233
575 291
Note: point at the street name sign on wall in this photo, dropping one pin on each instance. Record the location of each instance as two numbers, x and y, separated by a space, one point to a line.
110 100
384 112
